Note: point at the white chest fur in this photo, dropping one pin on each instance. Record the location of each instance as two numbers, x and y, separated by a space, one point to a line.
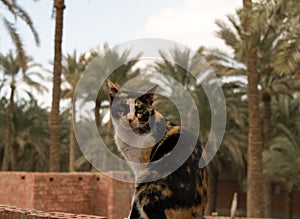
135 150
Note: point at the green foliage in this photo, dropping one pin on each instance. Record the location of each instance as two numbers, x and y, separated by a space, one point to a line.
119 68
282 159
14 73
276 27
231 154
30 134
277 34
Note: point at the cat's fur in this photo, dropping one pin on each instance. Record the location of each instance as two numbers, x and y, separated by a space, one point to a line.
180 195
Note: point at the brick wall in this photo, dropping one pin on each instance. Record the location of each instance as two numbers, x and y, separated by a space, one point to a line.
78 193
97 194
120 195
226 189
59 191
9 212
220 217
16 189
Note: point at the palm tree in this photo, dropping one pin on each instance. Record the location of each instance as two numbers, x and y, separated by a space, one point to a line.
30 137
245 49
178 64
287 58
112 59
72 68
271 85
3 113
18 13
231 150
65 134
282 158
231 154
269 27
255 143
120 69
12 69
54 120
180 67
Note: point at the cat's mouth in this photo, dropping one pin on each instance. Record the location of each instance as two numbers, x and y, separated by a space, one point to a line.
127 123
134 123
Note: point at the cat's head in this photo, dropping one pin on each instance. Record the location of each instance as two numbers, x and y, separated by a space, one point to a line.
131 108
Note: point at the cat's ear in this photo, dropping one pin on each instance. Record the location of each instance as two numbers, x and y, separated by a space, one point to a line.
150 94
113 89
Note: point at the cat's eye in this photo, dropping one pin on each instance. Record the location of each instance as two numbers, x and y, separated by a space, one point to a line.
123 108
140 110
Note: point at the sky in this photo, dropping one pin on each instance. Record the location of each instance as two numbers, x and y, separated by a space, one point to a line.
91 23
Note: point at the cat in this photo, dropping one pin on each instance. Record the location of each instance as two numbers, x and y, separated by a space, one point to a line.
143 136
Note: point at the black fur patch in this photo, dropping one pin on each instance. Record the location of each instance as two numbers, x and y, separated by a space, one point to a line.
180 194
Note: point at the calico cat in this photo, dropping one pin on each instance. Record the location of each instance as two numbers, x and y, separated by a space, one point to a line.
143 136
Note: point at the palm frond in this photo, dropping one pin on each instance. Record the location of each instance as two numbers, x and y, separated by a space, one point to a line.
10 6
287 58
227 34
236 24
22 58
21 13
36 85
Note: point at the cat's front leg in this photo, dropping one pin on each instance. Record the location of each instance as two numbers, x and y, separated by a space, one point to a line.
153 211
134 213
149 211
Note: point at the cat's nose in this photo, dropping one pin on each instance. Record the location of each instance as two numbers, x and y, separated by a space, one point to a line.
130 117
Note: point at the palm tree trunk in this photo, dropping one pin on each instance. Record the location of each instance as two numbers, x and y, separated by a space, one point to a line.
108 138
54 120
97 112
288 208
97 118
267 119
10 111
72 139
255 144
267 186
212 191
15 153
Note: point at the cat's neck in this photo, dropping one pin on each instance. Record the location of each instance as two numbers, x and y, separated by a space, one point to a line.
137 148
